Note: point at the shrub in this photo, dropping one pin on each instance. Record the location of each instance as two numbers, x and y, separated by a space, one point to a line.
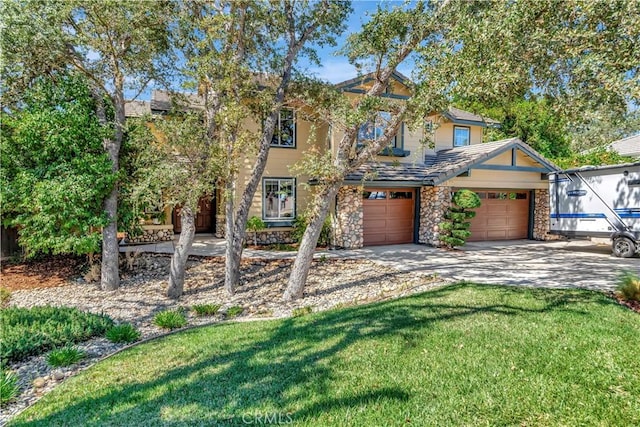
5 297
206 309
234 311
456 227
125 332
30 332
629 286
255 224
8 386
65 356
302 311
300 225
170 319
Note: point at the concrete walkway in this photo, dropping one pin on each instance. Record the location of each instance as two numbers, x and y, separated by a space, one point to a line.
557 264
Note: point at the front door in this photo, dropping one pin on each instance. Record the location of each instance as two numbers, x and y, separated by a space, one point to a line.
204 217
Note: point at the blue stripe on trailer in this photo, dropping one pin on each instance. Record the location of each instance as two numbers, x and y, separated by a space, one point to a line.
578 215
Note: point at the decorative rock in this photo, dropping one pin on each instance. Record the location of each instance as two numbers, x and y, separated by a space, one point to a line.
57 375
39 382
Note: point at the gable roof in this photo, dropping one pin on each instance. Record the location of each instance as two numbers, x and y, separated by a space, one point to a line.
629 146
357 81
446 164
459 116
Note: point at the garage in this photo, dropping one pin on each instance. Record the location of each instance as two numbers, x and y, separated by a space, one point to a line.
388 216
503 215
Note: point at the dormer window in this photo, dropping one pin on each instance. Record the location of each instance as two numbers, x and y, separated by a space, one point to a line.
461 136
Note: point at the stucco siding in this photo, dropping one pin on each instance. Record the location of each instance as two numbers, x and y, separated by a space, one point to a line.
480 178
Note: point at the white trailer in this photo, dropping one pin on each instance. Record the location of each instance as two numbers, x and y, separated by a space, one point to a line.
601 201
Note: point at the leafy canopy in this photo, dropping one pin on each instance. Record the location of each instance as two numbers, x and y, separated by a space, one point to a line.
54 172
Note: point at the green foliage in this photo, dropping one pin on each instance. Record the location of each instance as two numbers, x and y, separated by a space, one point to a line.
466 199
629 285
455 230
65 356
234 311
300 225
54 174
255 224
5 297
596 157
302 311
8 386
170 319
29 332
124 332
206 309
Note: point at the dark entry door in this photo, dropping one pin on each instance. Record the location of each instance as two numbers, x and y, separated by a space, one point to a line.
204 217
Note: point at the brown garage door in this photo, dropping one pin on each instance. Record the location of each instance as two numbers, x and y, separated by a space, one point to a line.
504 215
388 216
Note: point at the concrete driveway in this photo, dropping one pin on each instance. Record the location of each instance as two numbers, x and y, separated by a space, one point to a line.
522 262
558 264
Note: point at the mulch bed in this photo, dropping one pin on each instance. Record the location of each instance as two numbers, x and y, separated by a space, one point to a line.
47 272
633 305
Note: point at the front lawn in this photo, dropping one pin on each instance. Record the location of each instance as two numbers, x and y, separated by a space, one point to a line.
459 355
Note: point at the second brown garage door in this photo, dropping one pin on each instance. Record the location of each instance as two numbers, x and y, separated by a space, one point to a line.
388 216
503 215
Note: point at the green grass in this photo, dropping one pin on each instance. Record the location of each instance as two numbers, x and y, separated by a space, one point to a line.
206 309
8 385
123 333
234 311
459 355
28 332
65 356
170 319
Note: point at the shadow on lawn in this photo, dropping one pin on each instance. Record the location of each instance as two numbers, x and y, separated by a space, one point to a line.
290 371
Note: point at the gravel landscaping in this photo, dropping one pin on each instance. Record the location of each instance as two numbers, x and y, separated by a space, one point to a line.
332 283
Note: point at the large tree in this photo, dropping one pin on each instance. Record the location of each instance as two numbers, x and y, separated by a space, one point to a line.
54 172
115 45
582 54
241 56
380 47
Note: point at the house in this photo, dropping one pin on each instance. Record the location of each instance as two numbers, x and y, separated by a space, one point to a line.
402 195
629 146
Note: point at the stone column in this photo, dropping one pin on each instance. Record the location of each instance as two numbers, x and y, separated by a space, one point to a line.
541 212
434 202
349 227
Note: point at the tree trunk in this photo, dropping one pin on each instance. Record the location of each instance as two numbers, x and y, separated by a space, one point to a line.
304 258
233 251
181 253
110 277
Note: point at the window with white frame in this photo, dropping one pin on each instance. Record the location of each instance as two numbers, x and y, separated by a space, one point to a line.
374 130
461 136
278 199
285 132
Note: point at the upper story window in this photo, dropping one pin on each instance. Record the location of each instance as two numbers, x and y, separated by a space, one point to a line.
285 133
461 136
374 130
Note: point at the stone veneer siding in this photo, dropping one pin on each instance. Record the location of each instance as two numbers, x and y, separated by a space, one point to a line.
434 202
541 219
220 226
349 227
152 233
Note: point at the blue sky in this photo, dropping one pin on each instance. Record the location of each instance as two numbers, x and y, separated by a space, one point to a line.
336 68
